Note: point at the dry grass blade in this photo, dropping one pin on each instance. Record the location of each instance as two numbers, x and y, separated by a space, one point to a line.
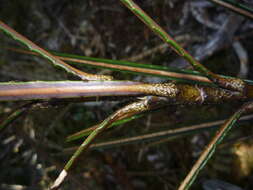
232 6
187 130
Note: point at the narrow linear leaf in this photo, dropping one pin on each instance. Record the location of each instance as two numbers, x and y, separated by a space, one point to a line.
52 59
142 105
231 84
12 117
180 75
86 132
20 111
211 147
172 133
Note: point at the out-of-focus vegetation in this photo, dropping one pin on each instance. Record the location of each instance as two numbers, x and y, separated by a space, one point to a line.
33 148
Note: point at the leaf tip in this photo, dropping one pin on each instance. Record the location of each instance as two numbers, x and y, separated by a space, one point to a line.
59 180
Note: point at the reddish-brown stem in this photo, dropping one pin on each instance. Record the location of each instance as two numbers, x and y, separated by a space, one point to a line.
177 93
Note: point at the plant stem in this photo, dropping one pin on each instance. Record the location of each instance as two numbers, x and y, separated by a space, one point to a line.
181 75
145 104
236 7
78 89
232 84
54 60
176 93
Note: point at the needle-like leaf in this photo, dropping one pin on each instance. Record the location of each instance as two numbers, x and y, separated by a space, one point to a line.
145 104
180 75
54 60
151 136
211 147
232 84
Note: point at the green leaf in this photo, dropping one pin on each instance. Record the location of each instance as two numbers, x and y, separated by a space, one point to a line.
86 132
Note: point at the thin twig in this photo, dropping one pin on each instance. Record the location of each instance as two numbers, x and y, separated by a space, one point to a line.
236 7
